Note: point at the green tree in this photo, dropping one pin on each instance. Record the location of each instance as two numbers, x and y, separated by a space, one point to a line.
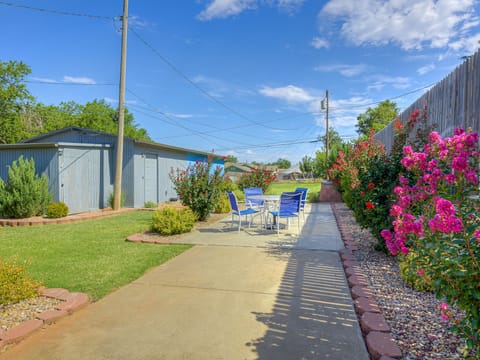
306 165
231 159
376 118
14 97
334 139
282 163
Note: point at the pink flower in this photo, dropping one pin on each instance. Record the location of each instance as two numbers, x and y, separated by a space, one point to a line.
420 272
476 233
395 211
443 306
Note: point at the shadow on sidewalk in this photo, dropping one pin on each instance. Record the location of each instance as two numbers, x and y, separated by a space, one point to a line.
313 315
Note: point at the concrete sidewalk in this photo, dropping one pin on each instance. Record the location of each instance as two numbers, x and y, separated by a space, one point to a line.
245 296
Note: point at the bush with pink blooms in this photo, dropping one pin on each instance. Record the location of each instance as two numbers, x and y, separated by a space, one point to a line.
436 215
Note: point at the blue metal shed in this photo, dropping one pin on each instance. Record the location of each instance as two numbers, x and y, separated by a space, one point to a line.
79 165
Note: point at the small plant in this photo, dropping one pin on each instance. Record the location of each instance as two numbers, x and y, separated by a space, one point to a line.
223 205
14 284
150 205
111 199
313 196
57 210
171 221
413 273
25 194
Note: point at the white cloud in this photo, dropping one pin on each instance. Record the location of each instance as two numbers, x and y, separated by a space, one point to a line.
290 5
319 43
78 80
344 69
378 82
289 93
468 44
180 116
425 69
225 8
109 100
43 80
410 24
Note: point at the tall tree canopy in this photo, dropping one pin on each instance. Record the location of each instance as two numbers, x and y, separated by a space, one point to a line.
14 97
377 118
21 117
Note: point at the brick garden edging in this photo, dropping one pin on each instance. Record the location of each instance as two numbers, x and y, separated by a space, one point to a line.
67 219
70 302
374 327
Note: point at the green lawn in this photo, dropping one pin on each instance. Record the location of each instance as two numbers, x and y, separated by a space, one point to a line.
277 188
89 256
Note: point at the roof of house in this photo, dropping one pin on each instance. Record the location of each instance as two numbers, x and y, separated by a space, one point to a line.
35 139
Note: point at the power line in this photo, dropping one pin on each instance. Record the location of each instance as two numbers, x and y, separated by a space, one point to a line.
55 82
175 123
58 12
195 85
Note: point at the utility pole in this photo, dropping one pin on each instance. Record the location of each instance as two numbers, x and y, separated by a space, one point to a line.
117 189
326 126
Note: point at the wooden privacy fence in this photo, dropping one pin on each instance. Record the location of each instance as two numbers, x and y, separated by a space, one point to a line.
451 103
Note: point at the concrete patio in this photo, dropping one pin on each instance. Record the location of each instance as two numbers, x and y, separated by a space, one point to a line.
237 295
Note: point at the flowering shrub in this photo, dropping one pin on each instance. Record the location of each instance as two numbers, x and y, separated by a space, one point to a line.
368 175
258 178
198 187
436 214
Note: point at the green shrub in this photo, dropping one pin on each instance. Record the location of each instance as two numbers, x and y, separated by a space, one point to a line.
111 199
171 221
14 285
57 210
313 196
412 272
257 178
25 194
240 195
223 205
198 187
150 205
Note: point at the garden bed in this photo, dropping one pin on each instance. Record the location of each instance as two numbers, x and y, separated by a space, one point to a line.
414 317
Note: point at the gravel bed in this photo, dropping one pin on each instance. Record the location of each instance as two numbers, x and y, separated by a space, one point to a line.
14 314
414 317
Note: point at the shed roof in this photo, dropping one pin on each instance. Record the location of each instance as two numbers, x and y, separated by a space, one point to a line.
152 144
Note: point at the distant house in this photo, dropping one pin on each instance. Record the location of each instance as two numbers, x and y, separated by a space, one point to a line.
294 173
80 167
235 170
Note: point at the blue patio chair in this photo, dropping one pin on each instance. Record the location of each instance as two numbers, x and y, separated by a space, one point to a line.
303 202
253 203
289 207
237 212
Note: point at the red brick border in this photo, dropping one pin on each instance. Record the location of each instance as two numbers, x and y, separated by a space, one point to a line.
375 328
71 302
68 219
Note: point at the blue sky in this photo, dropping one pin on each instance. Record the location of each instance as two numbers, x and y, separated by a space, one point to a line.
241 77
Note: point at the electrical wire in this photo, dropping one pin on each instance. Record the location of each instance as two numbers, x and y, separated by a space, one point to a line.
57 12
55 82
199 88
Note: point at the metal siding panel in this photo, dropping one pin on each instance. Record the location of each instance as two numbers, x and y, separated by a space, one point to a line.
128 173
81 174
46 162
151 178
